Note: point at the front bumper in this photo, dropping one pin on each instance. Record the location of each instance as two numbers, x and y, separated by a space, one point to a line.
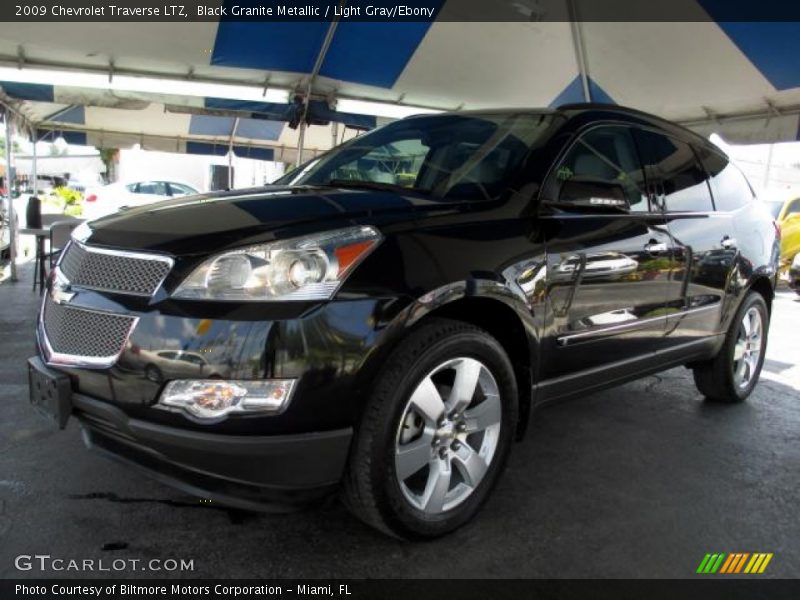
250 461
249 472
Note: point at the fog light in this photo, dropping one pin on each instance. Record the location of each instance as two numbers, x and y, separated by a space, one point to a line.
214 399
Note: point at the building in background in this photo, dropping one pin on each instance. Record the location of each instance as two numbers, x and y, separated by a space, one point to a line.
196 170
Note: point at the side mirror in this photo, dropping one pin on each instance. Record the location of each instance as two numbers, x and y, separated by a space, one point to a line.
593 194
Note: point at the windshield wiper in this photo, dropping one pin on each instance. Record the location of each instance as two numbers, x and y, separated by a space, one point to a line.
369 185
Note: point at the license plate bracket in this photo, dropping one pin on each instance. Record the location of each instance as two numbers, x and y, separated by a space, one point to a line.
50 392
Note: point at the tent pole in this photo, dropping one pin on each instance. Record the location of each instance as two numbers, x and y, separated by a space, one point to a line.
326 44
12 221
230 152
768 167
301 142
580 50
34 170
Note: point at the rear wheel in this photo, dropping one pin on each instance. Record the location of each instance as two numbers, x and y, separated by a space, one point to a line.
734 372
435 432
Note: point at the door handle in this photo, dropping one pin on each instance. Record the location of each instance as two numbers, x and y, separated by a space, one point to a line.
654 247
728 242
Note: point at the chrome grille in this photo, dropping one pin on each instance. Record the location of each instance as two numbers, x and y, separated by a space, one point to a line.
75 334
114 271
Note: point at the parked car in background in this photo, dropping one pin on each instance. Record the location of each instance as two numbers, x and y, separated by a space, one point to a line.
178 363
787 215
108 199
390 314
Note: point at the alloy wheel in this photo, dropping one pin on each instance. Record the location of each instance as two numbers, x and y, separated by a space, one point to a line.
448 435
747 351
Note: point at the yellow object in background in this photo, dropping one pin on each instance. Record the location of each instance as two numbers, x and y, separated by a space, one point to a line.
787 215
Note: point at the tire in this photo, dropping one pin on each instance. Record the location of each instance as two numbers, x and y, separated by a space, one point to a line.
402 414
724 378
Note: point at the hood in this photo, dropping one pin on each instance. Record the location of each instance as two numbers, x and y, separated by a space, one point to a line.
199 224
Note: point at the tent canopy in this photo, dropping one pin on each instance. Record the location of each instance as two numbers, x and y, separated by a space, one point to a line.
739 79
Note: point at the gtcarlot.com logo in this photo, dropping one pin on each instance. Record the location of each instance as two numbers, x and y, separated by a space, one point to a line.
46 562
736 562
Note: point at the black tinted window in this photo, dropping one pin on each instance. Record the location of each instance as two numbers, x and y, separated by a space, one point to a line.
605 156
158 188
178 189
794 207
463 157
672 168
728 184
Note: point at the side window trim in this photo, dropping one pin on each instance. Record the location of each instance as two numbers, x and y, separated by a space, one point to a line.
707 179
656 206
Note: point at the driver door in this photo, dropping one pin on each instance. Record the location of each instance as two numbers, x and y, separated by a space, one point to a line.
608 254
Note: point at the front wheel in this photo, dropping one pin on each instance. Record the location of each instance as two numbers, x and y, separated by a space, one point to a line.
435 432
734 372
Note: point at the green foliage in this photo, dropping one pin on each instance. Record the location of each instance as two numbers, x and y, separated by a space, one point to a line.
68 196
68 200
15 147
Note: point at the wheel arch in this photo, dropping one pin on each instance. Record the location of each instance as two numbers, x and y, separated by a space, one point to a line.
504 324
485 304
763 285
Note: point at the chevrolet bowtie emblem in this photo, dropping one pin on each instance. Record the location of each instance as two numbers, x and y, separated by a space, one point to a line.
60 290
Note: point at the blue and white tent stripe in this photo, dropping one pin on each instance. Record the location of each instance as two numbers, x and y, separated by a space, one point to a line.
690 72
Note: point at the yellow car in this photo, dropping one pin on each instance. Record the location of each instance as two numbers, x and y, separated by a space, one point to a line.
787 215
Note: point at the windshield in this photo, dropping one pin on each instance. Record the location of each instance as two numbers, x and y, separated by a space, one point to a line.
463 157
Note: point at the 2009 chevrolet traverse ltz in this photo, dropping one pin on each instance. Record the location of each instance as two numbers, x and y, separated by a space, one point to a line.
383 319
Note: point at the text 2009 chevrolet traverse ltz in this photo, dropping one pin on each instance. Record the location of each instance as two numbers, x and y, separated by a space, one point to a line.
383 319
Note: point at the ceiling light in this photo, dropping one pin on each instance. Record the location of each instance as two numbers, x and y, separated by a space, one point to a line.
135 83
381 109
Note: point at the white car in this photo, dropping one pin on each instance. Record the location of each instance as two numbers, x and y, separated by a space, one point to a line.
108 199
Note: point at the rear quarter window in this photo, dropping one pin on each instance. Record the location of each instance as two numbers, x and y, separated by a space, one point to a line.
672 167
728 184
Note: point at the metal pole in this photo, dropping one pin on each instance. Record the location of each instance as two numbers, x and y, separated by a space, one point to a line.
768 167
12 221
230 152
34 170
326 44
300 143
230 169
580 51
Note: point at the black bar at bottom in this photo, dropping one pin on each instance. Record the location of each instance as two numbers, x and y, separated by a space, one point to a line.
703 587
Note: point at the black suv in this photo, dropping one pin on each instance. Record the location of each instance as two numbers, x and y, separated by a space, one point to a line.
384 318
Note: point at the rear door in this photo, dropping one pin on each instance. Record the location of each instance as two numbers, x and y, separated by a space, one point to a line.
703 239
607 253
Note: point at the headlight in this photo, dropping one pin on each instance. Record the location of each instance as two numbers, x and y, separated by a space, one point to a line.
307 268
796 261
214 399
